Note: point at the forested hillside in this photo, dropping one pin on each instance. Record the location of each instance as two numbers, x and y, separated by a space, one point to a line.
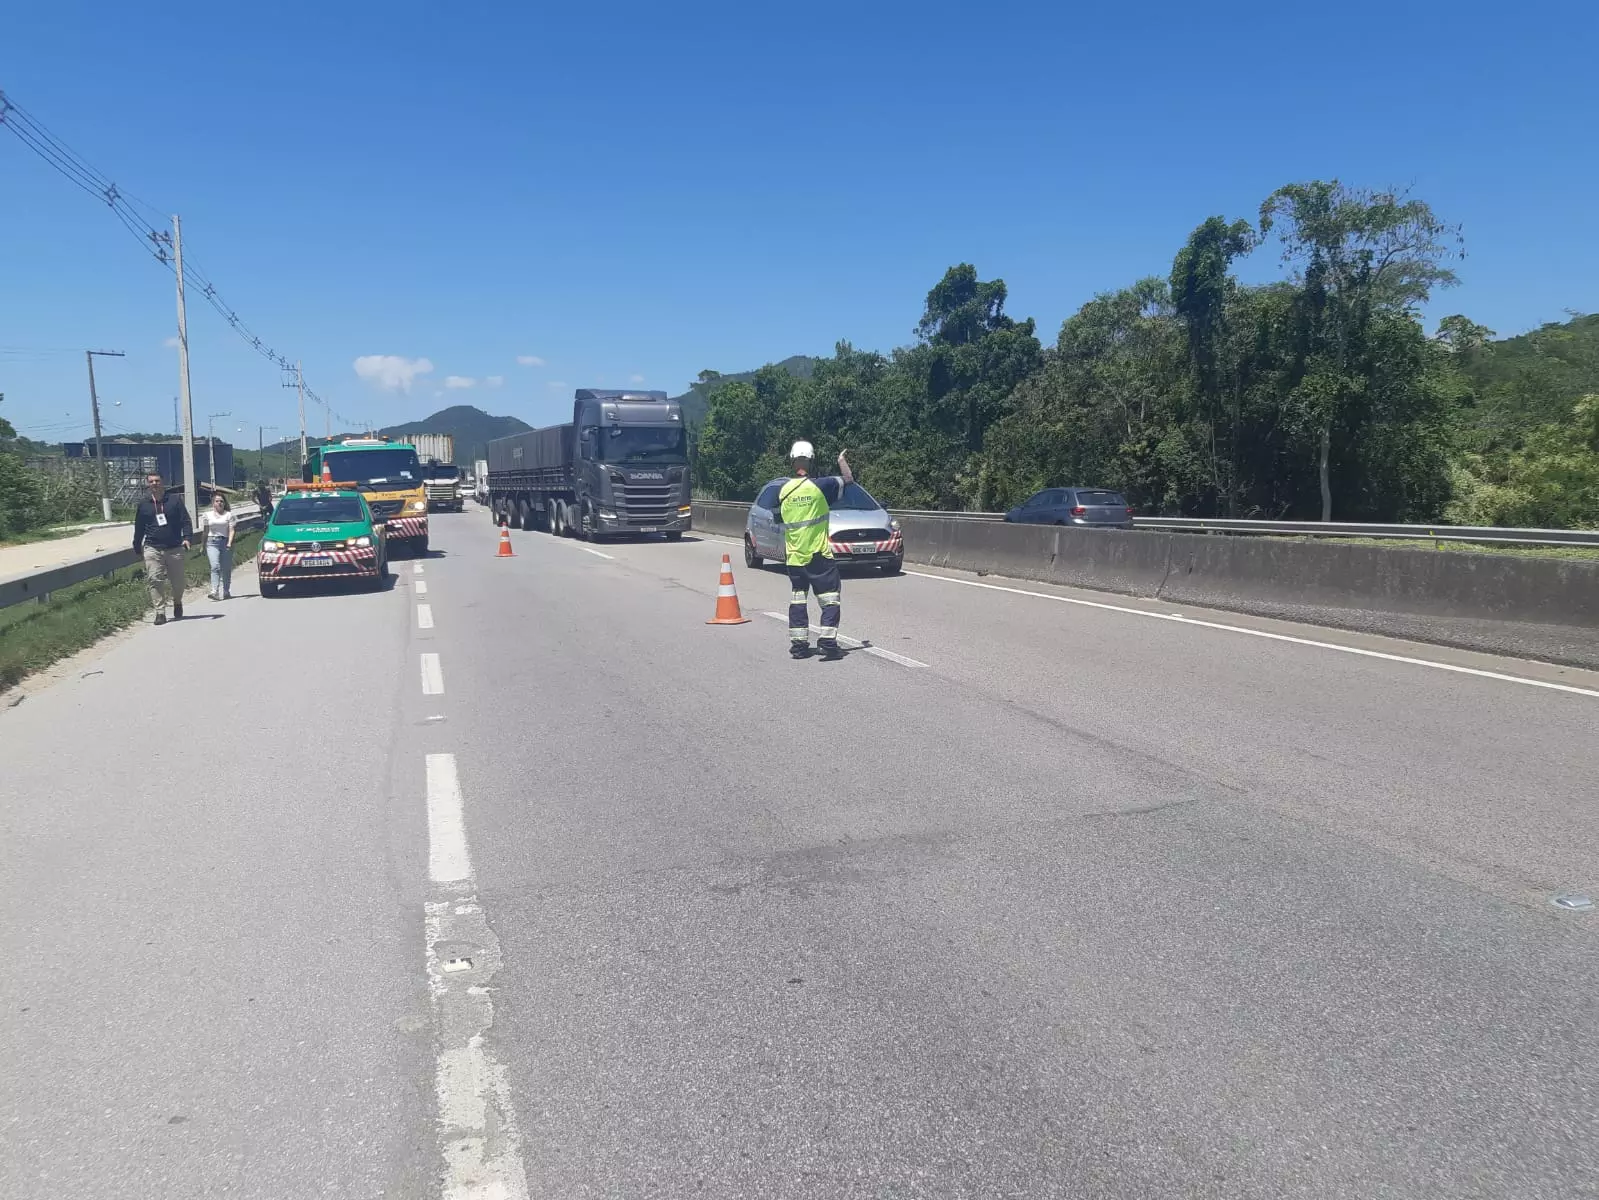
1317 396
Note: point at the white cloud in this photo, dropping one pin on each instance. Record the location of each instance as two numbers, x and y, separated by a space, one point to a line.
391 371
494 381
555 383
459 382
171 343
636 378
529 360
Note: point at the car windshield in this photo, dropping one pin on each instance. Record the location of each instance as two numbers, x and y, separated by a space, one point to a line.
317 510
857 497
371 467
643 443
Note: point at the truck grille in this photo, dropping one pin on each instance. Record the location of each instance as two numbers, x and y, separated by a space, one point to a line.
385 508
645 503
444 491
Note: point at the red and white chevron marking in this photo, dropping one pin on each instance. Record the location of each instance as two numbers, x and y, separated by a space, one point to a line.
406 527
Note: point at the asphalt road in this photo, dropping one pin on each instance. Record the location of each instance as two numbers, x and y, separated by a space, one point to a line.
518 877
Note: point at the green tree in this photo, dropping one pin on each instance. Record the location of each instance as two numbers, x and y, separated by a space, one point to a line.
1358 253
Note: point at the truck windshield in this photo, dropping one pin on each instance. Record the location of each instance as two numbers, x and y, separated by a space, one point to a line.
643 443
372 467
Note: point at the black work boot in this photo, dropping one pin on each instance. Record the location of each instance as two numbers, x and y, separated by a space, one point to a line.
161 618
177 612
799 649
831 651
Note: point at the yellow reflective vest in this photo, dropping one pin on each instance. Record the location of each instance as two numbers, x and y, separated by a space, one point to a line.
804 511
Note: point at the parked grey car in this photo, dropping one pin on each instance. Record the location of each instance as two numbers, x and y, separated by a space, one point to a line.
1073 506
860 529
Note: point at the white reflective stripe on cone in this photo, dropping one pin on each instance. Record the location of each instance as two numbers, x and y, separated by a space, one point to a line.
727 589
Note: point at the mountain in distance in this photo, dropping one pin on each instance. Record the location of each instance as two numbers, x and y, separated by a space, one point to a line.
471 427
697 399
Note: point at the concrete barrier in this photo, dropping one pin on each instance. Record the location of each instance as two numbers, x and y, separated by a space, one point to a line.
1544 608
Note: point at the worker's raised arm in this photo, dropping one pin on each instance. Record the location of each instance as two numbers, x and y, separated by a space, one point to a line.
844 472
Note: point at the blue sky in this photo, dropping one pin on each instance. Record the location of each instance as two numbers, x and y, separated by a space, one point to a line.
640 191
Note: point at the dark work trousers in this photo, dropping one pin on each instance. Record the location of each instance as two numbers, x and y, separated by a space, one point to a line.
820 575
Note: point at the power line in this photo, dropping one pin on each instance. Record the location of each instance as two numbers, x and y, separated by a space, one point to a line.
156 241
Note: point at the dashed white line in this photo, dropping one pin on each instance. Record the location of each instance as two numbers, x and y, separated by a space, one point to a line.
479 1140
424 616
420 587
855 644
416 569
448 861
1179 619
432 676
596 553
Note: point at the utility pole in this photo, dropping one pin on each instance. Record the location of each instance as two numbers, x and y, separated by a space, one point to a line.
99 438
191 495
211 440
299 385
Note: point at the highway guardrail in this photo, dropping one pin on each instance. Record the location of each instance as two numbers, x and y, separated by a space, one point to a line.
38 585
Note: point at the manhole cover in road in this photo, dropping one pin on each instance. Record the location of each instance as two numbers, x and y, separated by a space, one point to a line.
1573 902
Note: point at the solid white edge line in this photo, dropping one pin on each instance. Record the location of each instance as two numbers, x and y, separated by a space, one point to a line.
856 644
432 676
597 553
420 587
448 861
424 616
1178 618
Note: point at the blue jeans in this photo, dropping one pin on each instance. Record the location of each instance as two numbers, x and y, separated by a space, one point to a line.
221 556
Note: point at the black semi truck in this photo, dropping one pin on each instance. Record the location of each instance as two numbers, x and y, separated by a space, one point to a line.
619 468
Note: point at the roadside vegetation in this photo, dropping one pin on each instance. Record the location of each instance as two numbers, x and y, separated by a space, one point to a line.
34 635
1317 395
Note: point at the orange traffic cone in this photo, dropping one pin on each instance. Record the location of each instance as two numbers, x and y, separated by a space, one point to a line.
505 544
327 471
727 610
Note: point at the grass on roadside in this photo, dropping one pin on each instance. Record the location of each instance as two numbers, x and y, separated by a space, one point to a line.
35 635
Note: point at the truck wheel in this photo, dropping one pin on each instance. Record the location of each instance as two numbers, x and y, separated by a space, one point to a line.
421 550
561 520
525 517
752 560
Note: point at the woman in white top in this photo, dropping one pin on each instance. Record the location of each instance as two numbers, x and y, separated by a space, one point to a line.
218 525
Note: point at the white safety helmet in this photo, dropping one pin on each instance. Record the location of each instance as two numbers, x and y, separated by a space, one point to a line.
802 450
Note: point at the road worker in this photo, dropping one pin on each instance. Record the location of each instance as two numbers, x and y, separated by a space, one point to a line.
803 507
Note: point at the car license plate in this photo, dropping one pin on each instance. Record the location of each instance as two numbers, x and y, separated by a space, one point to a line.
648 528
863 548
323 561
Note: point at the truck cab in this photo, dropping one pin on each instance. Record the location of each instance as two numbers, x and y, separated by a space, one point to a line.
389 477
632 463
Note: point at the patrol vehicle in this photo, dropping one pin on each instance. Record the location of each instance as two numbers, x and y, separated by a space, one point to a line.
322 531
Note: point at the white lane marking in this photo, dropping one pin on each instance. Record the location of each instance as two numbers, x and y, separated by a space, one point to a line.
432 676
597 553
478 1135
448 861
1179 619
424 616
854 644
420 587
416 569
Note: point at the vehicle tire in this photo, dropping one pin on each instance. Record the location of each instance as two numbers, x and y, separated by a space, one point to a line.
268 590
894 568
675 535
557 519
752 560
526 519
421 550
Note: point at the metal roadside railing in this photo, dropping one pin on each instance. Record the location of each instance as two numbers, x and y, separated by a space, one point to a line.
38 585
1485 534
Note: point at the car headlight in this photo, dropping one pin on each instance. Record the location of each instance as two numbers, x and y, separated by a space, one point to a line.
419 505
270 546
893 522
362 541
607 515
685 510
